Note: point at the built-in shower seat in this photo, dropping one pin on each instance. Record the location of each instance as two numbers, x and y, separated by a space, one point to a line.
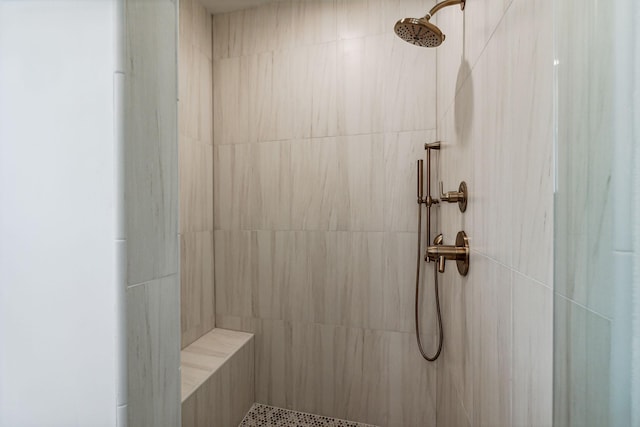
217 379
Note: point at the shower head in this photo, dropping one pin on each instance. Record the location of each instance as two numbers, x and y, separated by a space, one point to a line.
420 31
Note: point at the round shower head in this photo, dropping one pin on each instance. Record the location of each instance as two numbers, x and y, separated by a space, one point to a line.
419 32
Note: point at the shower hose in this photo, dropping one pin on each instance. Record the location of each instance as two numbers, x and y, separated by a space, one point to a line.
417 309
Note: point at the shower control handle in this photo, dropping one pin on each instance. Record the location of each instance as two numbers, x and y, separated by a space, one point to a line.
459 197
459 253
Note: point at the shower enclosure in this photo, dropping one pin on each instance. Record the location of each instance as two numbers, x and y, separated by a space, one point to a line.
597 202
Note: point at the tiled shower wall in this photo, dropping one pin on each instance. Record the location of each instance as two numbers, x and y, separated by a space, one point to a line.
495 118
320 113
197 297
151 188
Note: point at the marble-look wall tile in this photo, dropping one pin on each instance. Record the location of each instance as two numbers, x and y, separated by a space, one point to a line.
220 27
231 186
232 99
532 158
197 296
151 171
153 321
308 257
532 364
267 27
314 84
491 344
233 272
337 278
361 18
314 22
205 99
272 356
450 411
373 376
196 185
270 190
362 65
409 96
271 107
361 181
581 365
457 361
314 181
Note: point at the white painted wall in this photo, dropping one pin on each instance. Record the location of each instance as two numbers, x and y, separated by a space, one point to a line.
58 293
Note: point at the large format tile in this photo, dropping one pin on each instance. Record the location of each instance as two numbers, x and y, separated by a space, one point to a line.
314 185
450 411
231 186
196 186
270 189
197 296
232 99
154 352
151 120
314 82
532 353
530 128
491 345
581 365
361 179
362 65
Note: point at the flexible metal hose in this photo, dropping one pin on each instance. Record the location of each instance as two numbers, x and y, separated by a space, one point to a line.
417 311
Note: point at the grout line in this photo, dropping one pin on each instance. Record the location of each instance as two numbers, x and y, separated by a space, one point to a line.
584 307
148 282
338 136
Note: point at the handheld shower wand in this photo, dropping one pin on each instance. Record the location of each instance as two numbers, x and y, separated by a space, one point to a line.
429 201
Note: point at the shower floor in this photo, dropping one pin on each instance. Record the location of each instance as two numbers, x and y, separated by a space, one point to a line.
268 416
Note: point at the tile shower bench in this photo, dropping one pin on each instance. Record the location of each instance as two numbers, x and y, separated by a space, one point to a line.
217 379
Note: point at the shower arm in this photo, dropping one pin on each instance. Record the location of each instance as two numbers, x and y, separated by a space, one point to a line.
442 5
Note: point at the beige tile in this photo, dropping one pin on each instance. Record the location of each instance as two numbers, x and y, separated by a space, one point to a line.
270 190
272 356
313 72
197 295
151 154
232 99
532 353
202 359
154 352
409 96
314 180
220 38
360 184
205 98
313 22
491 344
582 365
271 107
232 180
450 411
233 272
196 186
362 65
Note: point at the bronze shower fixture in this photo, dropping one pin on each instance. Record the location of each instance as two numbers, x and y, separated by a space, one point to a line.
420 31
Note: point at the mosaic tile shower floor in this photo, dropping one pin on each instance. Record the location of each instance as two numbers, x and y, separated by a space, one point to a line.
269 416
